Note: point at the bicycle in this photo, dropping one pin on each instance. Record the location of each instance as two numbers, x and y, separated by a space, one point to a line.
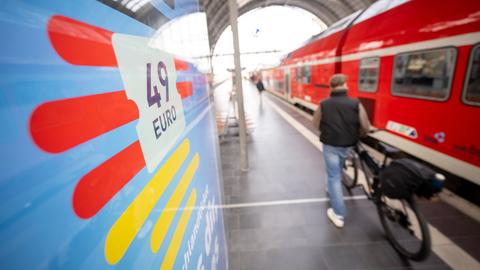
401 220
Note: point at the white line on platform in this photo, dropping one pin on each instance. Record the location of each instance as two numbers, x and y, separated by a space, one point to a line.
265 203
461 204
289 202
288 104
445 248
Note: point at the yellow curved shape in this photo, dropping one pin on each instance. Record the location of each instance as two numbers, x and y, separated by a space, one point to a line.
164 221
172 252
127 226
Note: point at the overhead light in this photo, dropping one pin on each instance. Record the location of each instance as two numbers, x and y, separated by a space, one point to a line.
139 4
130 4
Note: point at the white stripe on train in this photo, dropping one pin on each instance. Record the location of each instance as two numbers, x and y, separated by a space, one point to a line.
455 41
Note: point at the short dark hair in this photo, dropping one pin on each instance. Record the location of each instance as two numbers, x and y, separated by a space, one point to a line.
337 80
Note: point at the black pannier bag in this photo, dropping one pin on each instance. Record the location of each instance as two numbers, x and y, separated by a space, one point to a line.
404 177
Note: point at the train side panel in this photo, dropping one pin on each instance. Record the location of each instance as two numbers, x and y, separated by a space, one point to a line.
445 125
440 127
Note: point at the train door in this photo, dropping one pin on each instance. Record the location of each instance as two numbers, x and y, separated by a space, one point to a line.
293 83
287 83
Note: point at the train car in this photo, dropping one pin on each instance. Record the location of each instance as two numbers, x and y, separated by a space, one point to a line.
109 148
415 68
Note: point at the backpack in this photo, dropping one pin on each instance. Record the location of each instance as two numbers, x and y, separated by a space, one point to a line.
404 177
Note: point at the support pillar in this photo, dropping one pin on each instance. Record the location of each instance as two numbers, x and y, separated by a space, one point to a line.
232 4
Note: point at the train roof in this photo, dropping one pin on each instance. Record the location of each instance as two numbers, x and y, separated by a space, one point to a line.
357 17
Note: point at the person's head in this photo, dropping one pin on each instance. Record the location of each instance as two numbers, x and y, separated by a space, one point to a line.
338 81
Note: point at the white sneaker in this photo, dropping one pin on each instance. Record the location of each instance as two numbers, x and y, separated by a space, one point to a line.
334 218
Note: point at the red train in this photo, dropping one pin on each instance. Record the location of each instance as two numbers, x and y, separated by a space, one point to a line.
415 66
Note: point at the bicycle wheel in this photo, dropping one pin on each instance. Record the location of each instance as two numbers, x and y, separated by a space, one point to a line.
350 171
405 227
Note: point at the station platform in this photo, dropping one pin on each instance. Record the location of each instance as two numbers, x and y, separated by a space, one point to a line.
275 213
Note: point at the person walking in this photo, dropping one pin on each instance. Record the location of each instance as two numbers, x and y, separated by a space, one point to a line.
259 84
342 121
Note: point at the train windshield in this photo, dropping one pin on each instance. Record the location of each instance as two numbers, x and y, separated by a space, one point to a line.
426 74
339 25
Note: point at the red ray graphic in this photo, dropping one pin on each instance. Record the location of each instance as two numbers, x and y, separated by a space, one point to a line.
79 43
59 125
185 89
97 187
180 65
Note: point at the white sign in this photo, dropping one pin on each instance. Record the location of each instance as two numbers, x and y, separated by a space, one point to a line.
149 77
402 129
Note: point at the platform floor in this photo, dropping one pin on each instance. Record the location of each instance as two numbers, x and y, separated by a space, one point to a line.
276 212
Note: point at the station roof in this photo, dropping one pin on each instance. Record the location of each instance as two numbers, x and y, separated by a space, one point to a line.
217 12
329 11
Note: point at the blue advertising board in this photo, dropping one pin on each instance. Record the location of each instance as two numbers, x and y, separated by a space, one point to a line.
109 147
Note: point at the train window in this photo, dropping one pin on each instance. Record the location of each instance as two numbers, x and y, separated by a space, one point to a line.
424 74
471 92
368 74
304 74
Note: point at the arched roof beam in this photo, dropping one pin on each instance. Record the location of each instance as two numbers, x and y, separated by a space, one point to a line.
327 11
221 22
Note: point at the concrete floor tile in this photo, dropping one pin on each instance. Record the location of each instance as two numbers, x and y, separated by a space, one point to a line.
295 258
343 257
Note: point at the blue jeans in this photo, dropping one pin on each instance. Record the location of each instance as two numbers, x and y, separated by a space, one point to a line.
334 158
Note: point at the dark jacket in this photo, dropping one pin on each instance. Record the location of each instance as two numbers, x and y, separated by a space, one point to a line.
342 120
